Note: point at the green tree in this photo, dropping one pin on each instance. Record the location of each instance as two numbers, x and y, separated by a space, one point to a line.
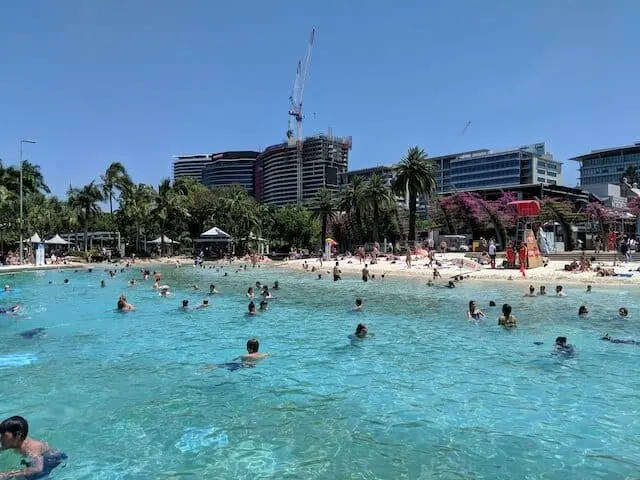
168 204
135 208
114 180
352 203
631 175
378 198
415 176
86 202
324 209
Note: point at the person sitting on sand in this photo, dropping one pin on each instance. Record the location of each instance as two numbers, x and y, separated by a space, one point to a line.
474 312
559 292
507 319
123 305
532 292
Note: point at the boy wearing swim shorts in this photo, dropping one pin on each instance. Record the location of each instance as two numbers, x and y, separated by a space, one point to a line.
41 459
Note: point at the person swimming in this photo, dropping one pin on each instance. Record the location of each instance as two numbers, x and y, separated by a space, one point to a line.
276 285
185 305
264 305
507 319
358 307
532 292
204 304
252 355
265 292
474 312
102 284
252 308
361 330
40 460
9 310
562 347
123 305
560 292
623 312
212 290
629 341
583 311
250 292
543 290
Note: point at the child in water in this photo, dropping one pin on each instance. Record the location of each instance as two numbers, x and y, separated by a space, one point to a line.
41 459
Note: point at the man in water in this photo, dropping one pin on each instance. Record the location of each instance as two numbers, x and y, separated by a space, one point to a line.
365 273
336 272
252 355
358 306
252 308
41 459
204 304
123 305
561 346
532 292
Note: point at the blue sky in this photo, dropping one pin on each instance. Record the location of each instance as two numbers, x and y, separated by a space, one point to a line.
95 81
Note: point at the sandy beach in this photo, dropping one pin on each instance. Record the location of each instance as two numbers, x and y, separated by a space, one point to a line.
554 272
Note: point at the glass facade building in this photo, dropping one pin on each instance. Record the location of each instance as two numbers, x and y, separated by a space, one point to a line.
231 168
607 165
190 166
481 169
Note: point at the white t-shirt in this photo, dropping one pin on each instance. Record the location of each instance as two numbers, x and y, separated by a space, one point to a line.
492 249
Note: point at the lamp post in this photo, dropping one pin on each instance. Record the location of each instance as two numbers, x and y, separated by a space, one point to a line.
21 219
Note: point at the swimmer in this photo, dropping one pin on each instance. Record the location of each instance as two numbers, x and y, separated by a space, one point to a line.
361 330
132 282
196 287
559 292
212 290
41 459
258 285
561 346
164 291
319 277
543 290
337 272
588 288
250 292
474 312
9 310
451 284
429 283
623 312
265 292
358 307
583 311
66 280
629 341
204 304
264 305
276 285
102 284
7 288
156 285
252 308
252 354
492 303
185 305
507 319
532 292
123 305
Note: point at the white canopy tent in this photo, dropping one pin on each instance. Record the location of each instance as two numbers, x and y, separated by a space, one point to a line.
213 240
57 240
215 234
166 239
35 239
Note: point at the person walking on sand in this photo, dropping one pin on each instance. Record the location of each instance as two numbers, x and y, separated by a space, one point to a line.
492 254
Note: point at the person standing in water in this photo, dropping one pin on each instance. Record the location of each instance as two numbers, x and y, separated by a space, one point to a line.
365 273
337 272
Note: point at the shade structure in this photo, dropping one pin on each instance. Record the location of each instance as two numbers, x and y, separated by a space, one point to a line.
215 233
166 239
56 240
35 238
527 208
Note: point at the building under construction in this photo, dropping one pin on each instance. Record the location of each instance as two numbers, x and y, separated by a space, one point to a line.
323 159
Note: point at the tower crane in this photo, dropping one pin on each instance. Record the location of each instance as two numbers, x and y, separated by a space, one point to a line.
294 130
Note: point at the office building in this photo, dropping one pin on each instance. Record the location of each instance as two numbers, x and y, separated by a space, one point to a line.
324 158
482 169
607 166
190 166
231 168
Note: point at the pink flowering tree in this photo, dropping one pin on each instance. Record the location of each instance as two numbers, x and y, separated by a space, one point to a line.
600 215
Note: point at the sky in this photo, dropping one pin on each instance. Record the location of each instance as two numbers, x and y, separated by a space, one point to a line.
98 81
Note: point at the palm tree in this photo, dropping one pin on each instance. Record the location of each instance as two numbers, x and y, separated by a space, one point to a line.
114 178
378 198
415 175
631 175
135 205
167 204
86 201
352 203
324 208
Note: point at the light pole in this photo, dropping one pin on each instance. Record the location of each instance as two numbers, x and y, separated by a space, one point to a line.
21 220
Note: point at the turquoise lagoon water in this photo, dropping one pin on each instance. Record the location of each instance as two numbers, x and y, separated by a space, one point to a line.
127 396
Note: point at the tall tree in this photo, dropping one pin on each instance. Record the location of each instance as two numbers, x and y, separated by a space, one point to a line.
352 203
630 175
86 201
115 178
168 204
378 198
324 208
135 206
415 176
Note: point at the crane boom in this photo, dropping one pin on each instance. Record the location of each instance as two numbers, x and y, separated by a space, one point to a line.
295 110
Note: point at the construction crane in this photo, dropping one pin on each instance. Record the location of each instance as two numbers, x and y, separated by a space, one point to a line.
294 130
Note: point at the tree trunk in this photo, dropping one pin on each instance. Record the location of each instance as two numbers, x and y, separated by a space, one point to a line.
86 231
376 220
113 223
412 216
324 232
